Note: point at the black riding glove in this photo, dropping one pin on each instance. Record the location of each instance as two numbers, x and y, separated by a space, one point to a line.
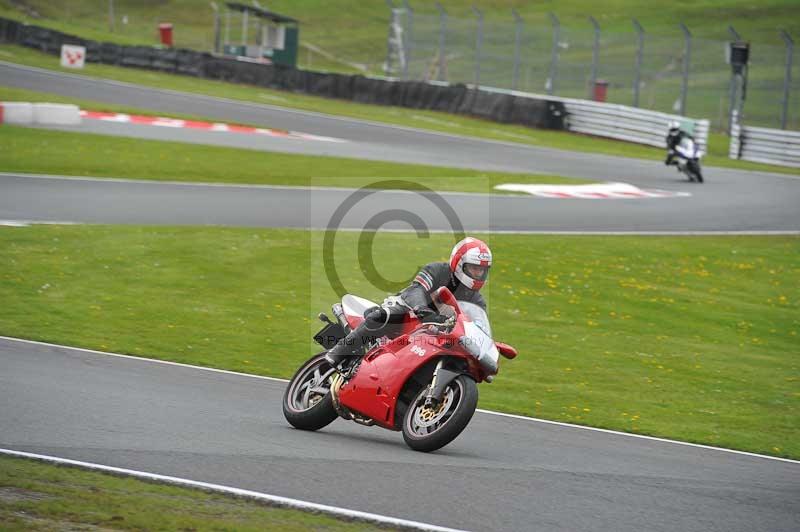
428 315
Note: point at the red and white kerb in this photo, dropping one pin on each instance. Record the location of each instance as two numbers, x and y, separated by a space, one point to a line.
195 124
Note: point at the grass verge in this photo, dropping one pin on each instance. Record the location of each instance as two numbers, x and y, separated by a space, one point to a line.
39 496
691 338
66 153
357 30
430 120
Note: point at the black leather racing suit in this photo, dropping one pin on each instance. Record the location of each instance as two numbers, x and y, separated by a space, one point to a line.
674 137
387 319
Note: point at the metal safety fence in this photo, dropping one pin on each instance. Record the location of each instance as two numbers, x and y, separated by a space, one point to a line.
678 73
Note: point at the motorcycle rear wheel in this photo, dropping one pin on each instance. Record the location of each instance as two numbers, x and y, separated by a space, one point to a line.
427 429
307 402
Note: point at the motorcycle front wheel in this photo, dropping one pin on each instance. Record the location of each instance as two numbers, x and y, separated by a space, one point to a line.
307 402
429 428
694 168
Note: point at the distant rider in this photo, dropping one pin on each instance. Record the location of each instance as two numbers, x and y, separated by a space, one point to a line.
464 275
674 137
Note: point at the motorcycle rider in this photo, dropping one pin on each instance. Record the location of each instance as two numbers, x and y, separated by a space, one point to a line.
464 275
674 137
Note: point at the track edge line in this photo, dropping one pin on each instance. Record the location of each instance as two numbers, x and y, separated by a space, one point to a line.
489 412
271 500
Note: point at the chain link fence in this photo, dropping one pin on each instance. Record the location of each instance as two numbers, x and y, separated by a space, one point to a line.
676 73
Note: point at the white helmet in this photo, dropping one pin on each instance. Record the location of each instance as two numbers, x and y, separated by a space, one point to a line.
470 262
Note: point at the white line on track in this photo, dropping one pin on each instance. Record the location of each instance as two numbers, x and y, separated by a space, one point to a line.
272 500
489 412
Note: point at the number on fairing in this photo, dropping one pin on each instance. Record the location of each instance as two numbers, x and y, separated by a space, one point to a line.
418 350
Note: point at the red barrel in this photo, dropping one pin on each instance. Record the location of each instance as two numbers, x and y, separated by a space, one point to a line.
165 30
600 90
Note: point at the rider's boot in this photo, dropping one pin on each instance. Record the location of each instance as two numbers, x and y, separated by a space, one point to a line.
351 345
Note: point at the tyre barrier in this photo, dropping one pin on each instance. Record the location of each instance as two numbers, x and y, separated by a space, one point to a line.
540 112
25 113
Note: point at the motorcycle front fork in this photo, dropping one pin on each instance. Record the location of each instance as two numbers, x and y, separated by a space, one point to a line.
430 400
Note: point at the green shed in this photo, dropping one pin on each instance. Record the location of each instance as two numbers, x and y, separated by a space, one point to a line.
262 34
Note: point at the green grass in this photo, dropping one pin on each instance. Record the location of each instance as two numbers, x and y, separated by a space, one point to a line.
429 120
688 338
39 496
351 38
42 151
357 31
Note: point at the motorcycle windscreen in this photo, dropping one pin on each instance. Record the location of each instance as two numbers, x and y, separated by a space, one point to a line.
477 337
686 148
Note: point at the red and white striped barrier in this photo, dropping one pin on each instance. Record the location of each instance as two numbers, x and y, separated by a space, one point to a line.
597 191
204 126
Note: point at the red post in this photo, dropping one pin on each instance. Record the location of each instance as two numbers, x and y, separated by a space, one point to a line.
165 30
600 90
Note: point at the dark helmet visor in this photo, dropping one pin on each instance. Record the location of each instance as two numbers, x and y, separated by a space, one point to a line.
476 271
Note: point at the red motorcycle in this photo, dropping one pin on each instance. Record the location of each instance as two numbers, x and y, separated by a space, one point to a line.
423 382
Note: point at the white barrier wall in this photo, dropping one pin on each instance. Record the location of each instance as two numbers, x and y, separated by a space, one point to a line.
55 113
16 113
25 113
629 123
763 145
621 122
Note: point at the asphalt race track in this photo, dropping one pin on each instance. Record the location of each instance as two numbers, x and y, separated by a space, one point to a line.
126 202
500 474
731 200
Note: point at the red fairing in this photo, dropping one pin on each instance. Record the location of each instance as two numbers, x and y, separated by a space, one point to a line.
374 390
384 371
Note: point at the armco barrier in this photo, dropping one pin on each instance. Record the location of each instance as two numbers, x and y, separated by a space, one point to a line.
628 123
600 119
763 145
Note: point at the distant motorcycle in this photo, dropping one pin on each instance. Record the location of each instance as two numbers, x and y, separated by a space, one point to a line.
423 383
685 154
